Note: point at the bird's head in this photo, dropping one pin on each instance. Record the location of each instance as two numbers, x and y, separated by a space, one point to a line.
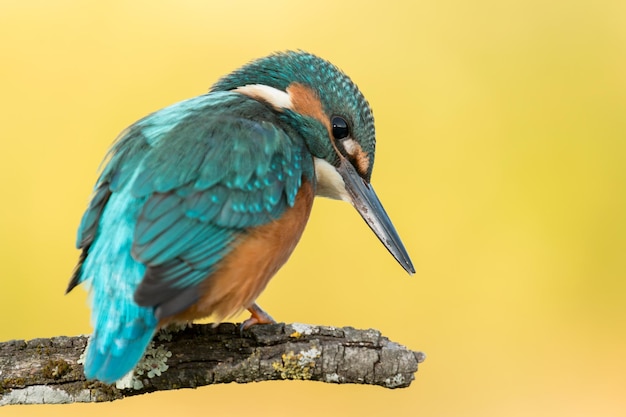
328 110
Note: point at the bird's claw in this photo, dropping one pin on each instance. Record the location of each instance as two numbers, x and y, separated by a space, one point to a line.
257 316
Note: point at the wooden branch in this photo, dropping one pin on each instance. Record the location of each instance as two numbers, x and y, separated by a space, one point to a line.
45 371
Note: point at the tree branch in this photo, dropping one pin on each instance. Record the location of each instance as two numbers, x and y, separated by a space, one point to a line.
44 371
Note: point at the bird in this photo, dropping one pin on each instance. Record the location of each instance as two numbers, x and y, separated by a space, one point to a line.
199 204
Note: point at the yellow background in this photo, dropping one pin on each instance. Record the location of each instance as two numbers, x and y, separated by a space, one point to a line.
501 160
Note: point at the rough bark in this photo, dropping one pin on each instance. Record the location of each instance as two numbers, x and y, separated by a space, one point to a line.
44 371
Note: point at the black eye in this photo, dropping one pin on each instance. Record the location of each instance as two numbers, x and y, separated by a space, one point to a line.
340 127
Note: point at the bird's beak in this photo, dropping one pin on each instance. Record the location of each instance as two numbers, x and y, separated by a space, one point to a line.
368 205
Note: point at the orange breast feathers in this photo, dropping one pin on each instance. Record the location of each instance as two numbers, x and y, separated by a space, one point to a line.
257 256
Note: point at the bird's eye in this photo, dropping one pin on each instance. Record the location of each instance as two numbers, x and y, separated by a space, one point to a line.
340 127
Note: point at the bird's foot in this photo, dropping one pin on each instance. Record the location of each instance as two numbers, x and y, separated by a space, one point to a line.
258 316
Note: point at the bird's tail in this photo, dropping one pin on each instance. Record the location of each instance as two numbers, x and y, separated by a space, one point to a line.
115 348
122 329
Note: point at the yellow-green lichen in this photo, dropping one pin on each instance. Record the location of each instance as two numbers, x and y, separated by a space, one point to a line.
10 383
297 365
55 369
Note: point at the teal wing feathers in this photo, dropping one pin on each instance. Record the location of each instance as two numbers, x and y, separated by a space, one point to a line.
235 173
177 189
204 170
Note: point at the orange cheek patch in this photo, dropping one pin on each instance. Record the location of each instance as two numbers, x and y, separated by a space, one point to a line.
306 102
362 161
357 156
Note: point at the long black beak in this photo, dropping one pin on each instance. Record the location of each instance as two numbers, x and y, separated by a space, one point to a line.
368 205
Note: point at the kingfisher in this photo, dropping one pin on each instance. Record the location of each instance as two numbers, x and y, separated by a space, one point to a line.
199 204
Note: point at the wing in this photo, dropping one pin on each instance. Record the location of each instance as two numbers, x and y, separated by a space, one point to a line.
206 173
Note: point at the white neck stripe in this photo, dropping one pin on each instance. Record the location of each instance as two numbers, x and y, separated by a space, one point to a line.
277 98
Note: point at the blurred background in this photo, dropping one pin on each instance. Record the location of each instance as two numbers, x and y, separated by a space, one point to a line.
501 159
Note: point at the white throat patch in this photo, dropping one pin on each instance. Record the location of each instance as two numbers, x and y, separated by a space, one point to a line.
329 182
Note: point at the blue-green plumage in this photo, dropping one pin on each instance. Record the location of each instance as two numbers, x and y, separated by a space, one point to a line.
179 187
184 186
